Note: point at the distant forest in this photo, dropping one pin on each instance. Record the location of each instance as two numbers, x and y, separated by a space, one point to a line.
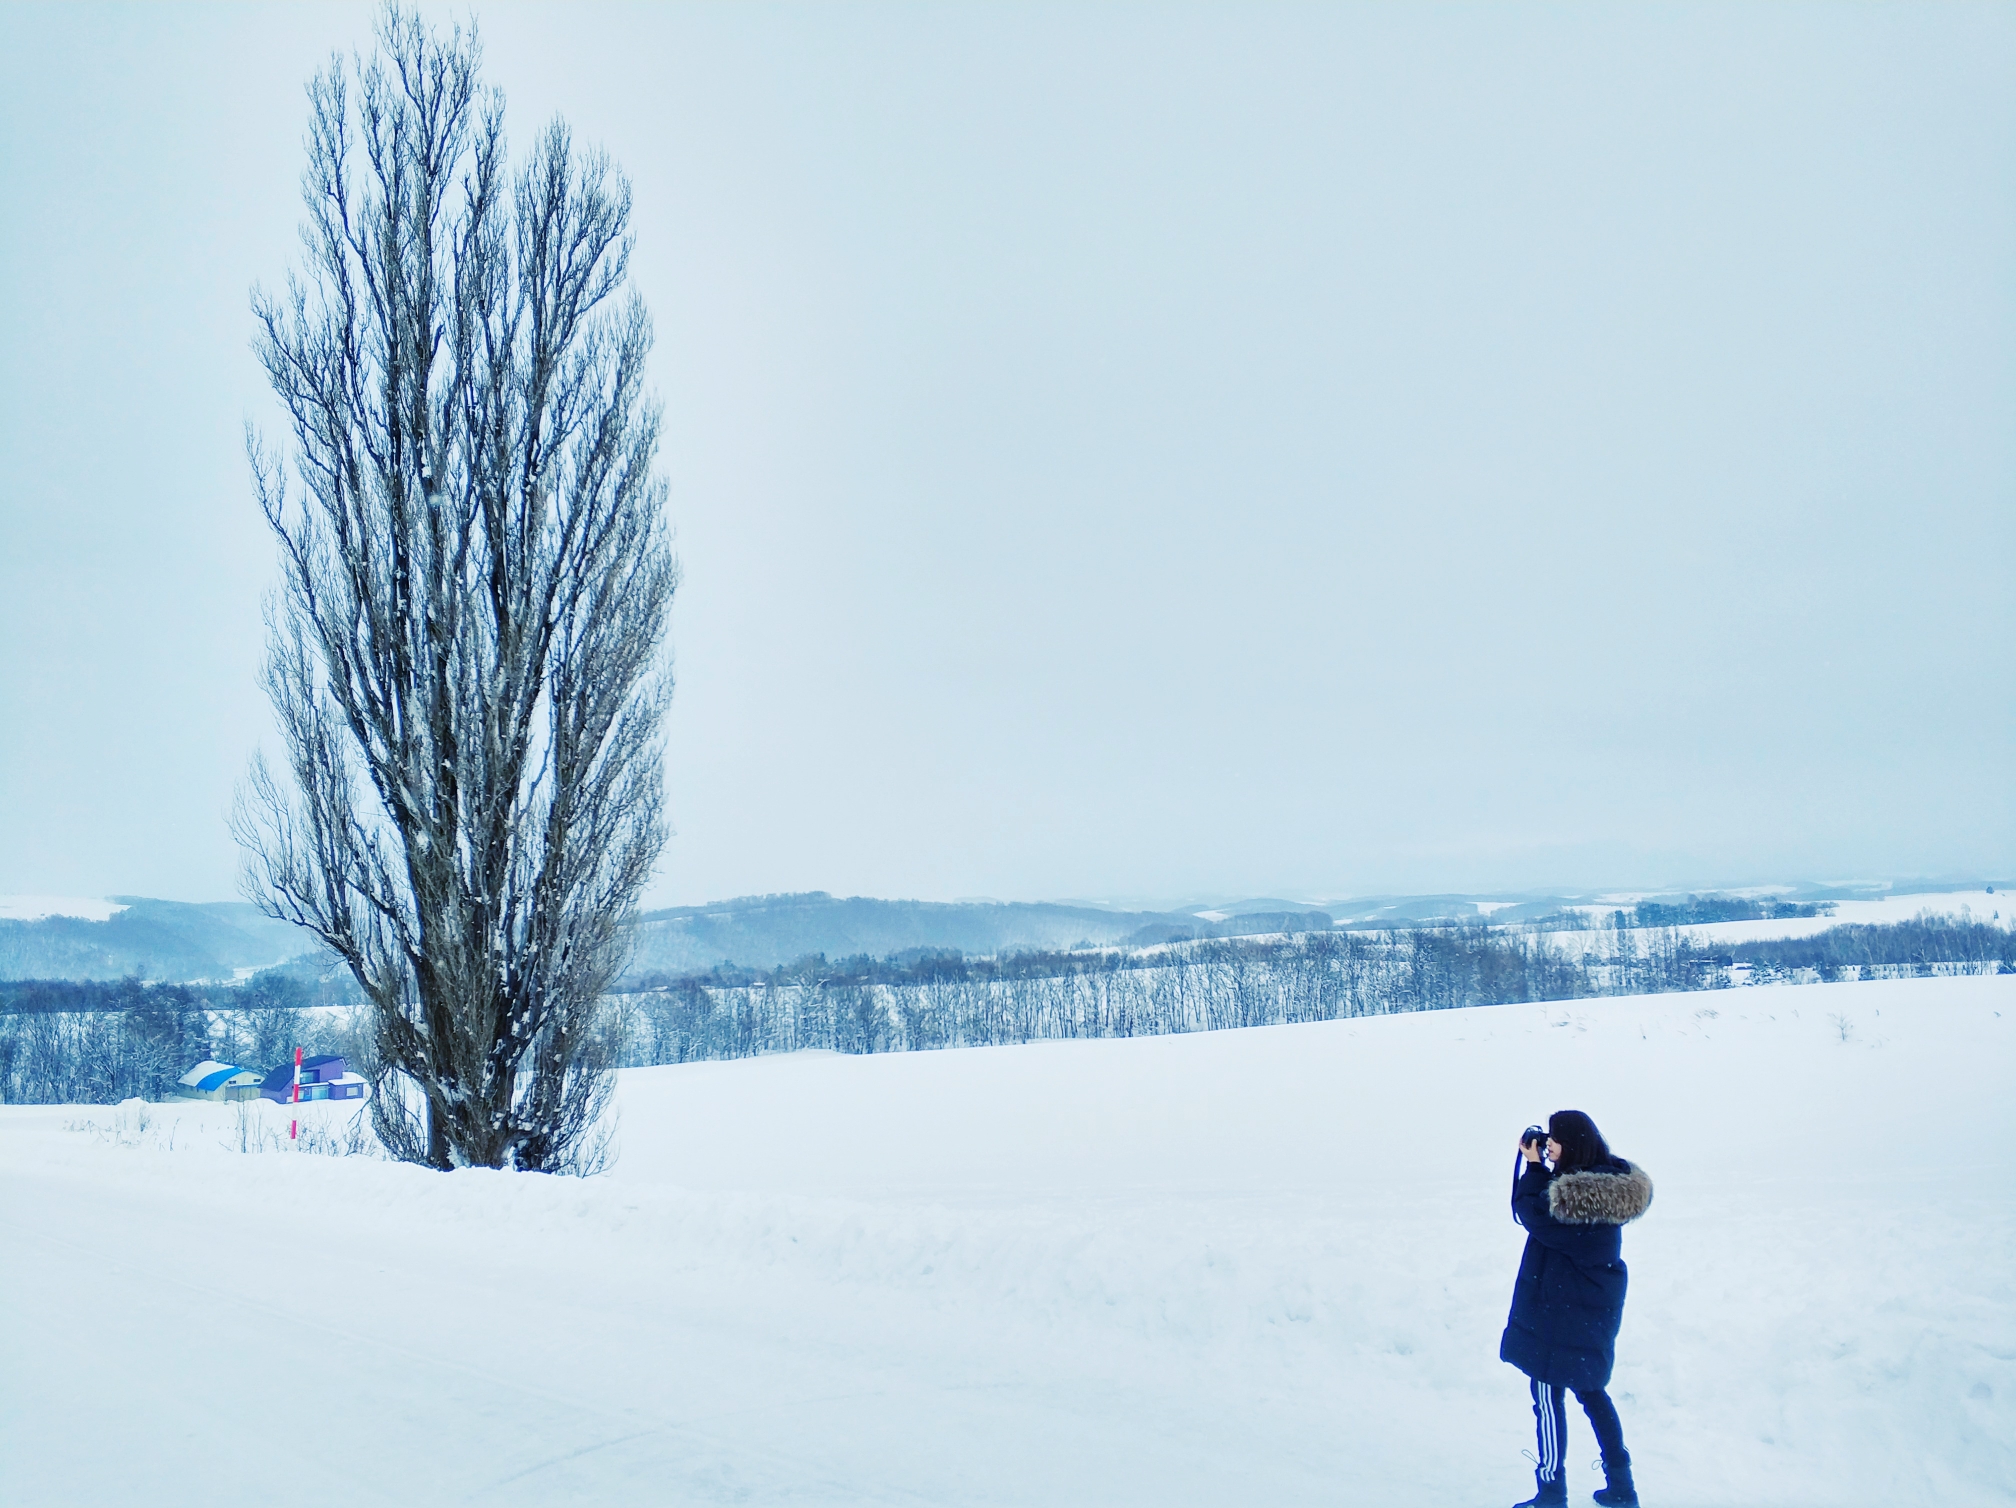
74 1041
98 1042
927 999
1699 910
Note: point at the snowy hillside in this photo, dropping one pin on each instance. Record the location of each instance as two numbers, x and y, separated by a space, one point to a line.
1241 1267
59 937
1979 905
765 931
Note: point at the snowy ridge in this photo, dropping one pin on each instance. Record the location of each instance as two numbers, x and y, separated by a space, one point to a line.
34 908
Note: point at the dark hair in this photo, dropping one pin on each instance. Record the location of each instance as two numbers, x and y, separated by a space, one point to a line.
1582 1145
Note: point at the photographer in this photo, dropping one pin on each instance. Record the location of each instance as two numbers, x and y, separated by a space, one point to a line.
1569 1297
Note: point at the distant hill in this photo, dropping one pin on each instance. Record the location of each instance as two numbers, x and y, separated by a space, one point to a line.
1376 911
176 942
165 940
761 932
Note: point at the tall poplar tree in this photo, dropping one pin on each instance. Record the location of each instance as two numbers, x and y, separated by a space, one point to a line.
465 654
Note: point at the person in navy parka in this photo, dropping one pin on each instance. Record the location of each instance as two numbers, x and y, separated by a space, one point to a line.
1569 1297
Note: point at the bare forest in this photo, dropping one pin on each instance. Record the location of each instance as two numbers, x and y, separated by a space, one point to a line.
94 1042
931 1000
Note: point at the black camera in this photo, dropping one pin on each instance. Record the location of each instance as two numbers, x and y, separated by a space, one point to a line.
1520 1165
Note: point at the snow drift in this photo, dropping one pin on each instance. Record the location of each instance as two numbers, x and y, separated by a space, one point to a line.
1263 1266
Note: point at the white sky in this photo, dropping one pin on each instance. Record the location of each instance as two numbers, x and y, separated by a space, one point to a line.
1127 451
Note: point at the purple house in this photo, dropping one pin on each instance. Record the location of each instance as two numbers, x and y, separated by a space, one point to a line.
324 1077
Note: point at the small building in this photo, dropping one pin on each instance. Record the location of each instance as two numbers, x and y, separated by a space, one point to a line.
211 1080
324 1077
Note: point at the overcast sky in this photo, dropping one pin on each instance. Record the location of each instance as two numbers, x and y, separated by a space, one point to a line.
1127 452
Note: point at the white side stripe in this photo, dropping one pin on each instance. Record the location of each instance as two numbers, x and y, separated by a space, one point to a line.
1550 1439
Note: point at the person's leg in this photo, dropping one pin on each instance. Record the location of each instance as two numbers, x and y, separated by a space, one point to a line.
1604 1421
1619 1491
1550 1426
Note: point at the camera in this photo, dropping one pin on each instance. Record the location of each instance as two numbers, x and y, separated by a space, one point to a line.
1521 1166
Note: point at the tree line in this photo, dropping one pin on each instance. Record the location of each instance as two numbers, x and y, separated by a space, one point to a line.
99 1041
276 989
1698 910
929 999
1927 943
137 1040
64 1041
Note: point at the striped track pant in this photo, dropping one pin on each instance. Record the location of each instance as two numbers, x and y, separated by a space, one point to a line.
1550 1423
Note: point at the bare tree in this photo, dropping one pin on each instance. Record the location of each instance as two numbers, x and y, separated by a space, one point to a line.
465 654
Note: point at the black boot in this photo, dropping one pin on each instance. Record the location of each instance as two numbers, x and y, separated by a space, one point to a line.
1552 1494
1619 1491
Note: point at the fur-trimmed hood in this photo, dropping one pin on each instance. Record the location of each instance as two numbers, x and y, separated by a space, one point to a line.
1599 1196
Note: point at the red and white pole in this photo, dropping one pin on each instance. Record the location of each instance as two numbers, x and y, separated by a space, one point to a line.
294 1126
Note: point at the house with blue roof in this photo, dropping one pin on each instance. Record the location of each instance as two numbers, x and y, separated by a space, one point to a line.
211 1080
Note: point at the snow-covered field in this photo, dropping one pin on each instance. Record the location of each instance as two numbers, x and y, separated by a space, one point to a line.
1260 1267
1980 905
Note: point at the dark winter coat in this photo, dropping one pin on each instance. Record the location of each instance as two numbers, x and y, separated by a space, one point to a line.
1569 1298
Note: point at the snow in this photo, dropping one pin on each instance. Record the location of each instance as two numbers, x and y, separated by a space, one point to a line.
1262 1267
203 1069
1980 905
33 908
